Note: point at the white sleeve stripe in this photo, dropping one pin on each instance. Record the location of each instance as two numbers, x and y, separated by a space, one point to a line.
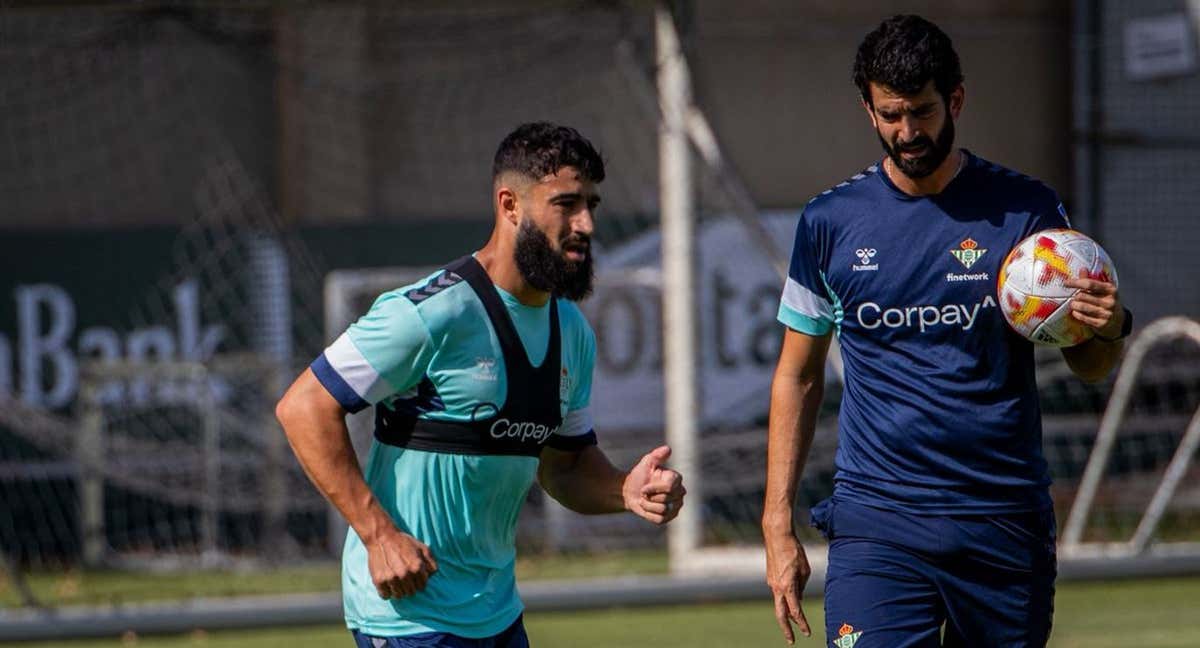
577 422
806 302
352 366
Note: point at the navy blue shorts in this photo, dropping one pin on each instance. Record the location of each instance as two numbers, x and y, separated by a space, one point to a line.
512 637
894 579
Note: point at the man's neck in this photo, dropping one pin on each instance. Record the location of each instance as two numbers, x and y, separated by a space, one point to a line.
931 184
502 270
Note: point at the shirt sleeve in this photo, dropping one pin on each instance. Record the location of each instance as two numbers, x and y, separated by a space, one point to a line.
805 305
577 430
385 352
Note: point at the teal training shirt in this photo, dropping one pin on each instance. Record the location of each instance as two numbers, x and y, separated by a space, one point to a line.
437 355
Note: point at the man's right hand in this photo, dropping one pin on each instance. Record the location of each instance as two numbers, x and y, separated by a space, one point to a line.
787 572
400 564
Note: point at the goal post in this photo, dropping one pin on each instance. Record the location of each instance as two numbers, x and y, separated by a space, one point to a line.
1178 468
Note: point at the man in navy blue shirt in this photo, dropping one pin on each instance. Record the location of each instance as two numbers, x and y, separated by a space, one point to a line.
940 514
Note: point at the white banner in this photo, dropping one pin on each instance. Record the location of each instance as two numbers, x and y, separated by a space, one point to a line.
739 336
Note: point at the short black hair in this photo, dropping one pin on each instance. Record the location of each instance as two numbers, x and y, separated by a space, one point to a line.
539 149
904 53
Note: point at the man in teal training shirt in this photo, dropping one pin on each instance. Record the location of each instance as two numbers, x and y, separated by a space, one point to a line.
480 375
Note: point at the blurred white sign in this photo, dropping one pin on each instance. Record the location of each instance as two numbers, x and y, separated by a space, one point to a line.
738 298
1159 46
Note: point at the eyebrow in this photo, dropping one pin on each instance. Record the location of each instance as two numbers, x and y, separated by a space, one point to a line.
925 106
572 196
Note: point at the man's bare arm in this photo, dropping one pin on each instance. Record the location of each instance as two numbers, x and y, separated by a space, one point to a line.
796 392
585 481
315 425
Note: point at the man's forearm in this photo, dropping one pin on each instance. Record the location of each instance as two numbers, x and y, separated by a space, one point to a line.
323 449
585 482
1092 360
794 405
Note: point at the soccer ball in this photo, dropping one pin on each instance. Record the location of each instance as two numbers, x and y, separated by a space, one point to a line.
1033 297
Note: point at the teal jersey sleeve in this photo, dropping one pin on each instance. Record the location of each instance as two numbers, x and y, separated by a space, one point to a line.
578 368
581 387
385 352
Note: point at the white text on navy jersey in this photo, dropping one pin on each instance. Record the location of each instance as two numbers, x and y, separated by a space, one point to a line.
871 315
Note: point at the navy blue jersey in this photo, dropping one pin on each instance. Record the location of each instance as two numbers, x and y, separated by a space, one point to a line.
940 409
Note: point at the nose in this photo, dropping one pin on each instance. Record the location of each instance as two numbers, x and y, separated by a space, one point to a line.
581 222
910 129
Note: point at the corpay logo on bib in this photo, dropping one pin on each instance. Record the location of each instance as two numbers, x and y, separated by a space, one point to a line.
871 315
525 431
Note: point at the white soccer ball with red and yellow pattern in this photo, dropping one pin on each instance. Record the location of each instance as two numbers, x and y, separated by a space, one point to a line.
1032 295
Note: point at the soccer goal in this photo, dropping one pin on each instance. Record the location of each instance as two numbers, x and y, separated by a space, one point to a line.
1139 495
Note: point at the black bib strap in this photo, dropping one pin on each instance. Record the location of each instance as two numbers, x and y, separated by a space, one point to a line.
532 391
531 412
481 283
492 437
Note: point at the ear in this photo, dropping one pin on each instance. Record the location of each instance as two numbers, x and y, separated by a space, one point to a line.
957 97
870 113
507 204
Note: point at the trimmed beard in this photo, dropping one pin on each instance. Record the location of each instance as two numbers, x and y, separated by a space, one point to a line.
936 152
549 271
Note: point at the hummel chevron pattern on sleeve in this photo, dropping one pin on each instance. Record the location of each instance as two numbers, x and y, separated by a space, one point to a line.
433 287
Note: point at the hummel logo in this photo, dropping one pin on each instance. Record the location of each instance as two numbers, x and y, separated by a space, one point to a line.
485 369
865 255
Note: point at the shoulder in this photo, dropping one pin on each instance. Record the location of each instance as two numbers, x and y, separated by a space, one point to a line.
834 202
1014 186
441 300
574 323
391 329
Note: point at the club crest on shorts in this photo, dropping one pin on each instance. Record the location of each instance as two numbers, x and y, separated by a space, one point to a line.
968 252
847 637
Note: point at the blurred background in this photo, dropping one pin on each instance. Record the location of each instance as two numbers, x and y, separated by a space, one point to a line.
196 197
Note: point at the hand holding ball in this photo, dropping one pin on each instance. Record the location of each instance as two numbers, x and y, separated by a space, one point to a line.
1032 289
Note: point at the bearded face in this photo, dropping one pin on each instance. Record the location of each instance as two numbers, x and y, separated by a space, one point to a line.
921 156
566 271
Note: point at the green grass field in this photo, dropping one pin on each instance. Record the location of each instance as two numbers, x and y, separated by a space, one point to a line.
1151 614
121 587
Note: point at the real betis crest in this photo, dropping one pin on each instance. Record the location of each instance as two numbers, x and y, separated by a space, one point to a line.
847 637
968 252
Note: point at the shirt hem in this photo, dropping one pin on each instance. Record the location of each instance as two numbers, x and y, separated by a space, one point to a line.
409 628
1035 499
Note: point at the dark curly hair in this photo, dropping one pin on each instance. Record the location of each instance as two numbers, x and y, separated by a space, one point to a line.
904 53
538 149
